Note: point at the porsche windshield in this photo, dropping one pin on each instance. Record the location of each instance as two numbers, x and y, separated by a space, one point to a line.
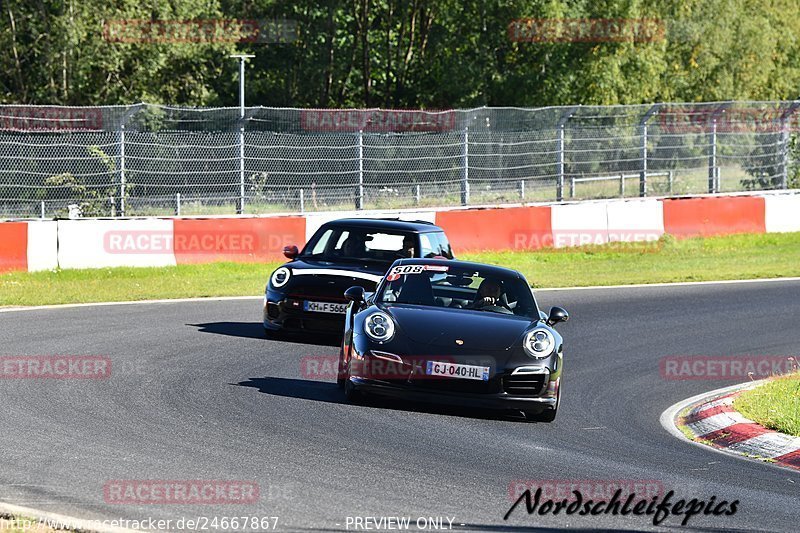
458 288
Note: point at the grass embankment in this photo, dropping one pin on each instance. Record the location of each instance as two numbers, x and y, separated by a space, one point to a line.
774 405
669 260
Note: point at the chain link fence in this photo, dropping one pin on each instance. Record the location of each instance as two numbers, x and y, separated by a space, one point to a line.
145 159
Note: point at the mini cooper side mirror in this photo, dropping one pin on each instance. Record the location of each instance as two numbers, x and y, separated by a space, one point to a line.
557 314
354 294
291 251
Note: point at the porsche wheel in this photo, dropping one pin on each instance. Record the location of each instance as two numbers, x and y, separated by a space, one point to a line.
341 378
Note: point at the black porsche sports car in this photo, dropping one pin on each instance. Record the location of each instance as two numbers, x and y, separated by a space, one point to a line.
306 294
453 332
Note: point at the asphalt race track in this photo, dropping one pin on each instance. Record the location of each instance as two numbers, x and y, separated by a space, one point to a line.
197 393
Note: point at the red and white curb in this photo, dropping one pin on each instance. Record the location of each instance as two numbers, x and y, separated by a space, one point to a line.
712 421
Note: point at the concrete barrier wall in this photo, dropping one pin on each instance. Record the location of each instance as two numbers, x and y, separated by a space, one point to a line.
98 243
115 243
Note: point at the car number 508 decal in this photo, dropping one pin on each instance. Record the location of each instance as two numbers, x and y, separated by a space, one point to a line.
396 272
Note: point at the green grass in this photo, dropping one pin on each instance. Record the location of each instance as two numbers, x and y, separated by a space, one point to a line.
775 405
669 260
123 284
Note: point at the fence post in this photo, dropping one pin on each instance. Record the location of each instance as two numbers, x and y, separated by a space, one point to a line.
784 156
360 199
177 204
240 204
669 179
712 158
122 170
561 149
465 177
42 214
302 202
417 196
560 170
643 173
522 190
571 186
622 185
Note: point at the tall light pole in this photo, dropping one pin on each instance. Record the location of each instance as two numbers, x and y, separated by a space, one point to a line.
242 58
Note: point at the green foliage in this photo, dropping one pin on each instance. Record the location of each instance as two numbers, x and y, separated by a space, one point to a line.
402 53
93 201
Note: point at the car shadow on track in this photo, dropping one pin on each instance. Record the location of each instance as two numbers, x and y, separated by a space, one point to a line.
323 391
255 330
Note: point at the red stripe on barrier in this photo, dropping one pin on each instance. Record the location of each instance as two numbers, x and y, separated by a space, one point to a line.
511 228
735 433
236 239
13 246
790 459
695 217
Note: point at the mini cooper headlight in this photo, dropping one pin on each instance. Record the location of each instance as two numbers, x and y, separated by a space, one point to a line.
280 277
539 343
379 327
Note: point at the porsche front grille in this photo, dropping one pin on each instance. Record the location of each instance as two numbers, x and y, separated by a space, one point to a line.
524 384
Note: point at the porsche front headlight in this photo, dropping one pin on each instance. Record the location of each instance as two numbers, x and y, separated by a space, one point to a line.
539 343
379 326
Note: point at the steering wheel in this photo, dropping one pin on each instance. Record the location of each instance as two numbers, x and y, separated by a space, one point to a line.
497 309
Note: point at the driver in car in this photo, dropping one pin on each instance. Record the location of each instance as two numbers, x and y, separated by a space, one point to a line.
408 247
488 295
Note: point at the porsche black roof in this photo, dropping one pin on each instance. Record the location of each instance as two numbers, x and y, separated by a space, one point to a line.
413 226
468 265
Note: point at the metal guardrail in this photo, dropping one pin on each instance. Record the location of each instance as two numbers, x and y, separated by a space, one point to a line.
621 178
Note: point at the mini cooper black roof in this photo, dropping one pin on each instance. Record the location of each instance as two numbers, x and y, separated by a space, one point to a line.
413 226
483 267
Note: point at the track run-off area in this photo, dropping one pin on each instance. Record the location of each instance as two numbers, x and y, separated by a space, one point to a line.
196 392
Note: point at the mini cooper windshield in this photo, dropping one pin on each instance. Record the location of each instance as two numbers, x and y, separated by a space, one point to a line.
456 287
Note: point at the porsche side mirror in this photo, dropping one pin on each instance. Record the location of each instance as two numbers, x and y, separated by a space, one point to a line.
291 251
557 314
354 294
